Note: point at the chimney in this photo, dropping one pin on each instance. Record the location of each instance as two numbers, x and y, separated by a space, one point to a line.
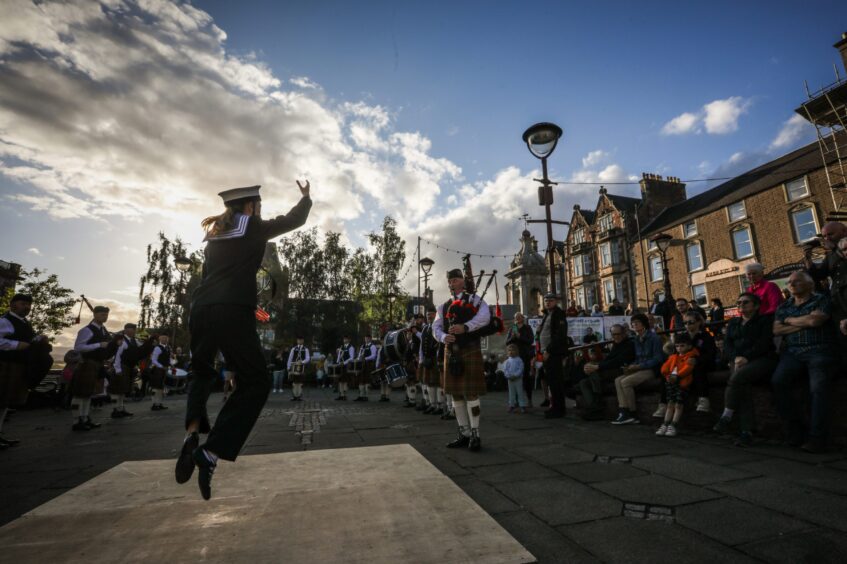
658 193
842 48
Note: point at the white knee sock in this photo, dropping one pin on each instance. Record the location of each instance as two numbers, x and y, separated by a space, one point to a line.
86 409
413 393
473 413
462 417
439 396
119 398
80 407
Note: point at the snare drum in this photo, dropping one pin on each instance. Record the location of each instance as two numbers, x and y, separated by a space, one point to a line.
297 368
395 345
395 376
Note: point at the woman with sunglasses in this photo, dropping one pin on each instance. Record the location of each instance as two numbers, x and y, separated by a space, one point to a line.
749 351
704 342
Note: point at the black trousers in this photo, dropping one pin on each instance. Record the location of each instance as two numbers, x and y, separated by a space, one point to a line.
231 330
555 372
528 381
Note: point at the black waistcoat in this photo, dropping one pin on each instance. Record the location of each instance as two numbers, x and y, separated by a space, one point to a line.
24 333
164 356
97 336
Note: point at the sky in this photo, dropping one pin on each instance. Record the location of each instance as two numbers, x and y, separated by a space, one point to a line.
121 119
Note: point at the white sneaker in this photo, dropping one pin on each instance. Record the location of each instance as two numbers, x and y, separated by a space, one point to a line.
660 411
703 405
276 391
671 431
662 430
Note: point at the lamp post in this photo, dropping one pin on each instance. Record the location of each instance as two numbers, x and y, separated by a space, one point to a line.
183 265
391 297
663 241
426 265
541 140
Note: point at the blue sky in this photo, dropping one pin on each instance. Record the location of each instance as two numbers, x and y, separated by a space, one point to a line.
120 121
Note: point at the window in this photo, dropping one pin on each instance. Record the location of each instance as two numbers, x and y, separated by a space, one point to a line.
651 245
608 290
580 297
587 264
695 257
689 229
698 292
736 211
742 242
796 189
617 252
577 266
656 268
622 289
805 226
579 236
605 255
590 296
605 222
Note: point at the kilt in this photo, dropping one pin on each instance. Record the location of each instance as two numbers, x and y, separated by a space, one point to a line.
296 378
346 377
411 372
157 378
122 383
430 376
85 378
13 387
365 374
471 382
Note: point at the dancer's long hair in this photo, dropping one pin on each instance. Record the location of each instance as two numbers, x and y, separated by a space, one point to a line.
216 224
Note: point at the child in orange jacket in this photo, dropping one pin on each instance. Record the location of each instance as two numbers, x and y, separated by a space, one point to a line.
678 372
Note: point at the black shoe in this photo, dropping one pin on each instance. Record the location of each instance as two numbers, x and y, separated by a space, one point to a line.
420 407
475 443
553 414
81 425
409 403
91 423
461 441
339 398
126 413
205 470
814 445
293 398
162 407
722 426
360 398
448 416
154 407
365 398
3 447
185 462
383 398
117 414
428 410
545 403
438 411
7 442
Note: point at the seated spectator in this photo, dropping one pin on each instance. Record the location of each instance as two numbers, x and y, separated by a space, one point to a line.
749 352
682 307
622 352
596 311
616 308
808 349
589 337
571 311
648 359
768 292
704 342
716 314
678 372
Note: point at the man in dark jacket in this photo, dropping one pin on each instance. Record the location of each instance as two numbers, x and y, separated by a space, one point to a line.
552 335
621 353
520 335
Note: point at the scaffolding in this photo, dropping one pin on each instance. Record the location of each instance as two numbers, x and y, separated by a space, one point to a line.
826 109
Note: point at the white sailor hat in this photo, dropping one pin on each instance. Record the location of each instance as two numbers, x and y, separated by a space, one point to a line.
233 194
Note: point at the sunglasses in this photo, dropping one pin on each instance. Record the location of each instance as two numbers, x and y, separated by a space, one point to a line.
691 322
742 302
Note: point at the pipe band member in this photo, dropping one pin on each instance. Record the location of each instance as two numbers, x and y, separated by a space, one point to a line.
344 358
93 343
298 360
223 318
124 370
16 336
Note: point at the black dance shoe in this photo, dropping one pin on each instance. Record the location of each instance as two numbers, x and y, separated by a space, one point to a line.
91 424
185 462
205 471
475 443
461 441
7 442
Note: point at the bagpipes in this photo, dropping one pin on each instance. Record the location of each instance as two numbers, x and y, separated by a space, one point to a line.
495 323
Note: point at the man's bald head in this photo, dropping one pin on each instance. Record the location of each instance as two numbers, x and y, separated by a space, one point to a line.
833 231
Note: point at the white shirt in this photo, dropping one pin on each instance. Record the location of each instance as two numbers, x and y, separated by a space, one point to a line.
480 320
124 346
305 355
154 358
81 344
6 329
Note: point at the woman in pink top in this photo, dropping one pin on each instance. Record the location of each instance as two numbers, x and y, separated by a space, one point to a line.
768 292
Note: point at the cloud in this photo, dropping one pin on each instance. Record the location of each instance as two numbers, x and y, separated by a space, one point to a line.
160 129
34 251
718 117
794 130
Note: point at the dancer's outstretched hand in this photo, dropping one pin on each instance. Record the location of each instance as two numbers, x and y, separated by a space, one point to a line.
304 189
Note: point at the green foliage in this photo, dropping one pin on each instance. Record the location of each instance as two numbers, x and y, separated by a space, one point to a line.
52 304
159 292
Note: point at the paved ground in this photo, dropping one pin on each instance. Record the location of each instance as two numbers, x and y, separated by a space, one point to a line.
568 490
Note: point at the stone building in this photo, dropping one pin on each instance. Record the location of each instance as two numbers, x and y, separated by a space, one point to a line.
10 274
528 277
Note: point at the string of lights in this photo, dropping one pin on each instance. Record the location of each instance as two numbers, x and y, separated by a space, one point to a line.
408 268
481 255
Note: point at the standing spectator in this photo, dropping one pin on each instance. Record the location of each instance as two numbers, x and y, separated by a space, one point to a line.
278 362
616 308
513 371
767 291
749 351
648 359
694 306
520 335
622 353
682 307
596 311
834 267
805 323
553 334
704 342
589 337
678 372
716 314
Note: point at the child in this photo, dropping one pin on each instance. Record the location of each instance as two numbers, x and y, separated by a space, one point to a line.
513 370
678 372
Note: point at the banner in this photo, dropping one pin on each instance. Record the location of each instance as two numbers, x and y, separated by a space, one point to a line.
578 327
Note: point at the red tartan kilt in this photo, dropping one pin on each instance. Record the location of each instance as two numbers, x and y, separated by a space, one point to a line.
85 378
471 382
121 383
429 376
157 378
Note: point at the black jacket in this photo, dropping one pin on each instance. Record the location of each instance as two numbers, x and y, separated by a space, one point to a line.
559 332
523 339
751 340
621 353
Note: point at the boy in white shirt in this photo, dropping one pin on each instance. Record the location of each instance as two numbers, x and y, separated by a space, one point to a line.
513 370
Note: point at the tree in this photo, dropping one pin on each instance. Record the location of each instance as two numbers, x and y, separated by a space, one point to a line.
389 253
159 291
52 304
335 267
303 256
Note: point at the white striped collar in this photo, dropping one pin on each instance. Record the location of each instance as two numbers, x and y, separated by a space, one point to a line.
236 232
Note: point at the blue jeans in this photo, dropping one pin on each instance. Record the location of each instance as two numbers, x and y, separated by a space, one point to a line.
517 395
818 364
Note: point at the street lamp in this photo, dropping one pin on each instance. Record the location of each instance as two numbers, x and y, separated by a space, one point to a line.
541 140
663 242
183 265
426 265
391 297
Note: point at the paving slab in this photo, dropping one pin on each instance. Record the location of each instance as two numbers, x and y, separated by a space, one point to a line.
655 490
621 449
816 476
549 546
802 502
558 501
486 495
820 546
590 472
513 472
553 454
733 522
490 454
251 504
690 471
624 540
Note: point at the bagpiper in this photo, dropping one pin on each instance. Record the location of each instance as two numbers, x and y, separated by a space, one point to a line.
93 343
344 358
367 356
298 360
